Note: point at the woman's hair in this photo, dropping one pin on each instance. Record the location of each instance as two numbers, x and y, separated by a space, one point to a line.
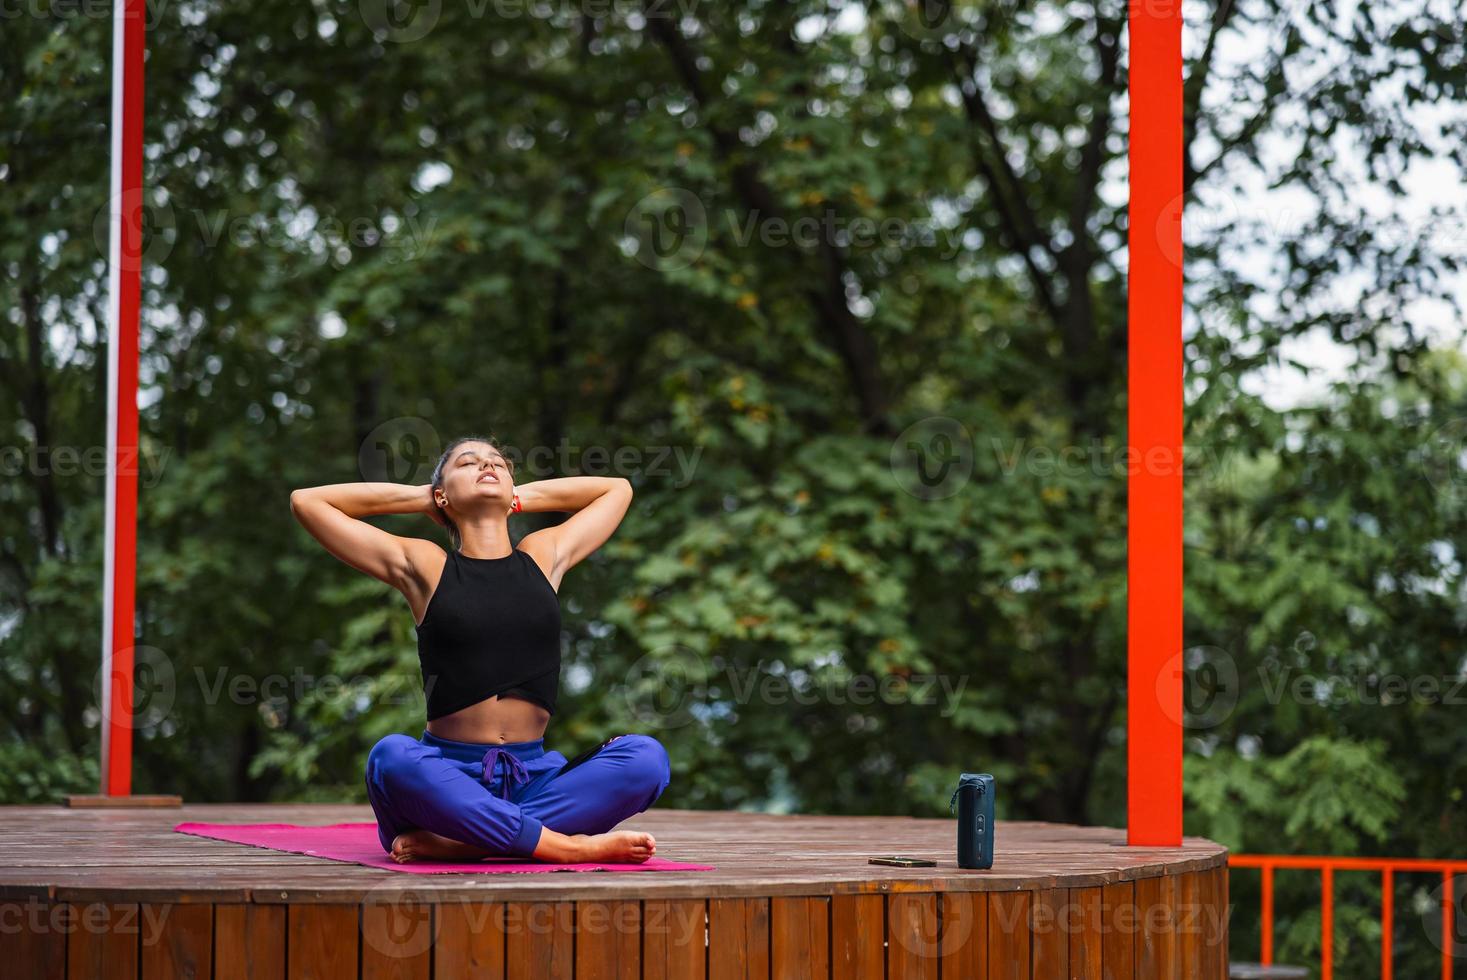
438 479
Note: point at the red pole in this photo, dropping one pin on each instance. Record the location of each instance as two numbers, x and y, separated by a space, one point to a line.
1154 420
1266 953
1387 923
124 296
1327 923
1448 946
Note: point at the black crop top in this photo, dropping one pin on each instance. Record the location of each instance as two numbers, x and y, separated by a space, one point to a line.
492 627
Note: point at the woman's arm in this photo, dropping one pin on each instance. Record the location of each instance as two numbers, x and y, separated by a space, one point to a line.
331 514
597 505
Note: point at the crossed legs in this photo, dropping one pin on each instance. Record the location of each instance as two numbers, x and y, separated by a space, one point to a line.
428 806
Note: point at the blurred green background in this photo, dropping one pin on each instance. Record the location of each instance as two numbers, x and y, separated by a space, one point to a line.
841 290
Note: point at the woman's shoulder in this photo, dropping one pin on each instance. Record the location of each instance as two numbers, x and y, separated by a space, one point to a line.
424 553
426 560
539 547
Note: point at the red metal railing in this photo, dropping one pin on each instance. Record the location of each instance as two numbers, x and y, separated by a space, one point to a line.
1327 866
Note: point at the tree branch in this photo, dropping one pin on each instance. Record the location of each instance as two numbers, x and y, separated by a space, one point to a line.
1195 85
1011 203
842 331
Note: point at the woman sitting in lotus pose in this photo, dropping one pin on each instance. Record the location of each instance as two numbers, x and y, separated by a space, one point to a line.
479 782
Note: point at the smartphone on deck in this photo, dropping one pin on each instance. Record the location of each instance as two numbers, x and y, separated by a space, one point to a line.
904 862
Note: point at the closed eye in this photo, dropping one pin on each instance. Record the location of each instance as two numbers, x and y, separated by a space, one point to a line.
499 462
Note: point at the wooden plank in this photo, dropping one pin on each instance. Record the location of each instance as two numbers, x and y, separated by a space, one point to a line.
799 937
470 941
1224 884
1156 941
1085 934
1215 924
911 936
177 942
321 942
32 943
1118 931
1206 901
738 938
539 940
757 931
397 937
249 942
856 933
1009 916
608 940
1190 920
92 800
674 939
103 941
1049 935
964 947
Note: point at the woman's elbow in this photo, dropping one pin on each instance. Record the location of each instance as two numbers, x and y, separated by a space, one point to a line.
298 499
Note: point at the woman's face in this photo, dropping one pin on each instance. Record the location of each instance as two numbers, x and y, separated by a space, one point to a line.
476 478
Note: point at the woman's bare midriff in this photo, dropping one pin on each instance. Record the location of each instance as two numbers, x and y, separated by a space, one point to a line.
499 720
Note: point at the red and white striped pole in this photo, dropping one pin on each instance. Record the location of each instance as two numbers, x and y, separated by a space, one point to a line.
124 261
1154 423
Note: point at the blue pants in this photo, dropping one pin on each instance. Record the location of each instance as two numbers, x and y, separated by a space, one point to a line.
499 796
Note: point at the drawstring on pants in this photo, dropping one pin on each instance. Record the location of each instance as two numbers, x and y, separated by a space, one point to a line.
515 775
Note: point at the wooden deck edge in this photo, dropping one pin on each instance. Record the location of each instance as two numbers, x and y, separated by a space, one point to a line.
466 888
94 800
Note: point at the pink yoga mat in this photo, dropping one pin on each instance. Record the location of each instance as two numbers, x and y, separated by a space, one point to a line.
357 843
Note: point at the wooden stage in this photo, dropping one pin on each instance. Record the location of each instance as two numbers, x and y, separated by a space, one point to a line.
116 893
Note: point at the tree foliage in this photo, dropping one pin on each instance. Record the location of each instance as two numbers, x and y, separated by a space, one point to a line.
842 291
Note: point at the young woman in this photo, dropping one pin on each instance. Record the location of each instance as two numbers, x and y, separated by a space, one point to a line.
480 782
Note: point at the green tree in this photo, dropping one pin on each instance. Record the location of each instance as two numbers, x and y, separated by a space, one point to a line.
763 251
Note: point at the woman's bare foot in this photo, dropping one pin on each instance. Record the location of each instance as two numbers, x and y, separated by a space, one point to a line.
616 847
419 845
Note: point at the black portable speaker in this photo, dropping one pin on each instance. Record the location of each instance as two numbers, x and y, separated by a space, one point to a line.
974 801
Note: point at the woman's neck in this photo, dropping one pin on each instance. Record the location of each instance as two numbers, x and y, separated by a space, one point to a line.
486 537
